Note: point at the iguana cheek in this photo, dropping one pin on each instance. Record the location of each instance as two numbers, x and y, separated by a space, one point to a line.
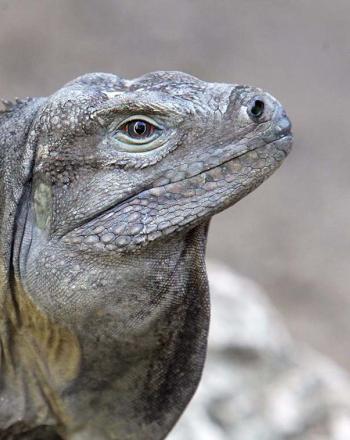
42 205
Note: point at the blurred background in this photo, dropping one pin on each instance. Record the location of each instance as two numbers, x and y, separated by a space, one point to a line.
292 235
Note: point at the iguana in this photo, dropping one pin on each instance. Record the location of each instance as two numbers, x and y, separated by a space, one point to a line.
107 189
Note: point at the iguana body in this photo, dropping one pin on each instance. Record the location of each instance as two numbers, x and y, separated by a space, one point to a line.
107 190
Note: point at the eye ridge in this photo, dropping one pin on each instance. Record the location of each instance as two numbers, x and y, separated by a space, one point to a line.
138 129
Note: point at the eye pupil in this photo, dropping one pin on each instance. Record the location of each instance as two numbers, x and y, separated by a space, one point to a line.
140 127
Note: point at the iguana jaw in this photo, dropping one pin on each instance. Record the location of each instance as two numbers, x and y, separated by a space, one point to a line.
125 227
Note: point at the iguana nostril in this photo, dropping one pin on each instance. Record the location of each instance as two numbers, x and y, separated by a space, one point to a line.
256 109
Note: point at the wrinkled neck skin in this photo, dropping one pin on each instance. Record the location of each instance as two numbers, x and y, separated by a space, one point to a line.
105 347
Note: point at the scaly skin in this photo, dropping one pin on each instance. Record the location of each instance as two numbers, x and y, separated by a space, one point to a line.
104 293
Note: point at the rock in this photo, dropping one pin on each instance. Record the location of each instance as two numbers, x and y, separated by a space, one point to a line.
258 383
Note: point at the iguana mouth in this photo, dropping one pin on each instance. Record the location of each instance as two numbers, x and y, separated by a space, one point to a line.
123 226
285 142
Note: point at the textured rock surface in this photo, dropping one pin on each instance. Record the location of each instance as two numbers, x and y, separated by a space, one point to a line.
258 383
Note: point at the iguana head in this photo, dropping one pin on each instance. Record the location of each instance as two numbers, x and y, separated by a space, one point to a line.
120 180
123 163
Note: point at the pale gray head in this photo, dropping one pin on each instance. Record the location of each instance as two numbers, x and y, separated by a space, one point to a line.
134 149
109 185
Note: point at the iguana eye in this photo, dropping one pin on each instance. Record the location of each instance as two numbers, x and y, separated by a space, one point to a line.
138 129
139 132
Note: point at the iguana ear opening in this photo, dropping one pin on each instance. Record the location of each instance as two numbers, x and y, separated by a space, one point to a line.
17 150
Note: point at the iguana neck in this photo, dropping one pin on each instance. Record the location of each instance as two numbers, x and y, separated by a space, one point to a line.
148 316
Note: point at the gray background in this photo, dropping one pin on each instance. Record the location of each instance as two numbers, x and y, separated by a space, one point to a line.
292 234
